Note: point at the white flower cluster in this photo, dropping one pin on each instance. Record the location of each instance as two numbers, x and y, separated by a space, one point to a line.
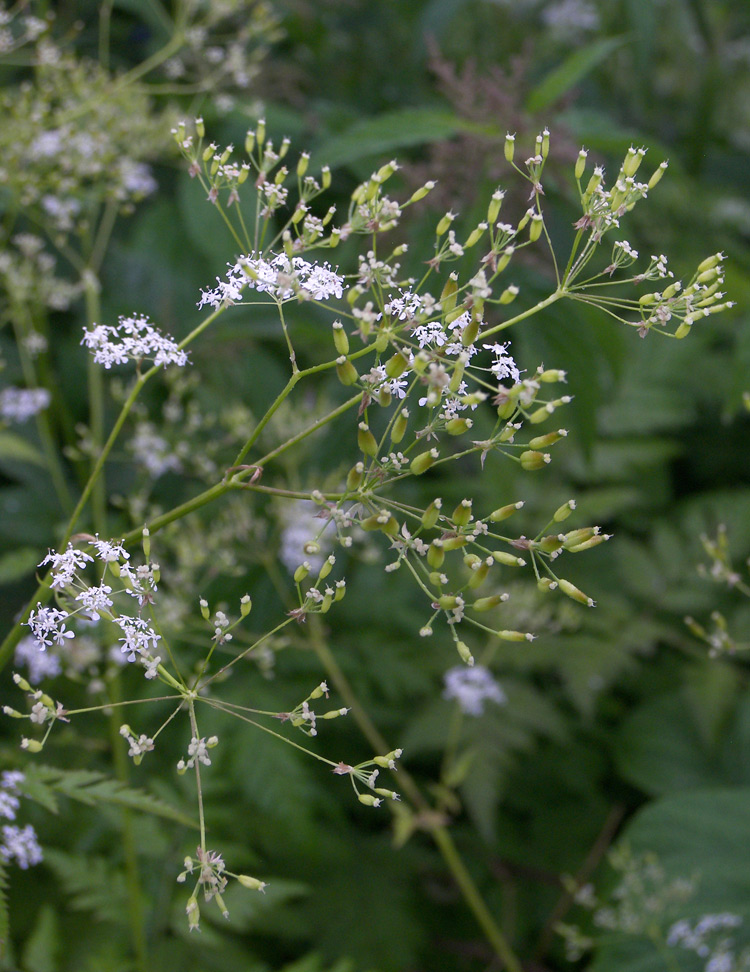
41 664
18 843
20 404
134 339
282 277
198 753
705 938
471 688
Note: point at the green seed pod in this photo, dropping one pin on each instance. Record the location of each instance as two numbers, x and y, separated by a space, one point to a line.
340 338
457 426
543 441
580 163
550 543
503 512
510 147
355 477
448 294
570 590
546 584
431 514
509 559
509 294
346 371
449 602
454 543
396 366
483 604
462 513
564 511
421 463
464 653
366 440
479 575
301 572
513 636
535 229
246 605
532 460
436 554
469 333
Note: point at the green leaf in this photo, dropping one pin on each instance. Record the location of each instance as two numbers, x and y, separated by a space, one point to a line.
570 72
41 948
16 449
91 788
393 130
17 564
703 834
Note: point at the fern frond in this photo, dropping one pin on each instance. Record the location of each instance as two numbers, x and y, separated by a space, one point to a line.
89 787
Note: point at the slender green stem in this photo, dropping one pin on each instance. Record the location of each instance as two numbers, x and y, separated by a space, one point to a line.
527 313
437 830
129 847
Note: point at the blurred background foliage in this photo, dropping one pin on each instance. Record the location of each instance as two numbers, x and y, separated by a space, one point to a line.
618 728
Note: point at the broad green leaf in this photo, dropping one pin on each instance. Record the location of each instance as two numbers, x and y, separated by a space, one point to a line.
391 131
572 70
703 834
17 449
18 563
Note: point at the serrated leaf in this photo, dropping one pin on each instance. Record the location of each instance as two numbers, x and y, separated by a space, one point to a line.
90 788
16 449
90 884
39 954
572 70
